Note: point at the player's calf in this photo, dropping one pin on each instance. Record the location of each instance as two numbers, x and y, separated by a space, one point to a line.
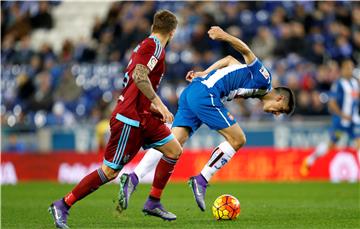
234 136
237 141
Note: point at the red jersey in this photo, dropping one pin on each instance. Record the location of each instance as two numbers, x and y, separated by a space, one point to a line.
132 102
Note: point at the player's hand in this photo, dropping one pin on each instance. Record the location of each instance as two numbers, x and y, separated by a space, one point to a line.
166 115
154 109
189 76
216 33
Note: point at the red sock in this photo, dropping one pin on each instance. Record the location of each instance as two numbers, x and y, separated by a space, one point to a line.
163 172
86 186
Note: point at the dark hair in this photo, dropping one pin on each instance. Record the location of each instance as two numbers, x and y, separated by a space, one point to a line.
289 95
164 22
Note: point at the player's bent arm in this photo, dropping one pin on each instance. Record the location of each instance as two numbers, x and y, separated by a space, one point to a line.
142 81
217 33
241 47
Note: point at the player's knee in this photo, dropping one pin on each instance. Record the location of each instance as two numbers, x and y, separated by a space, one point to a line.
109 172
174 152
182 141
237 141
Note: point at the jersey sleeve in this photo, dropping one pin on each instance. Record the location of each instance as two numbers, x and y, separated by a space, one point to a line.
260 75
148 54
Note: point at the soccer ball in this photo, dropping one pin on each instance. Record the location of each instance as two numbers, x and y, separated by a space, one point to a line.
226 207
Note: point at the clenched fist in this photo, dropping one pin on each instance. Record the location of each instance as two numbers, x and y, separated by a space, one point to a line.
216 33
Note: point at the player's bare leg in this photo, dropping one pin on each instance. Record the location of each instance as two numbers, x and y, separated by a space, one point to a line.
60 208
310 160
357 147
221 155
128 182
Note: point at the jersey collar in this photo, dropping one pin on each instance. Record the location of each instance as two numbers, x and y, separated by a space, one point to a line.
155 38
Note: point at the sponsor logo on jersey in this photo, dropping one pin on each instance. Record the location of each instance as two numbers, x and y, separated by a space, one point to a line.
355 94
152 62
230 116
264 72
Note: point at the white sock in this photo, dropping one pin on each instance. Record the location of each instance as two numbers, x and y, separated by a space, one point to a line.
220 156
147 163
320 150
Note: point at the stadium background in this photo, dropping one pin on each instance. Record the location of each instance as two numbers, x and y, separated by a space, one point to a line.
61 72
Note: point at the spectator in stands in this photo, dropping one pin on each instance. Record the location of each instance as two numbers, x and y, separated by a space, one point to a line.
43 96
26 88
7 49
67 90
263 43
35 67
24 52
43 18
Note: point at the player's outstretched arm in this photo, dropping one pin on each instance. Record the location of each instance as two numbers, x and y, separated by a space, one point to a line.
142 81
224 62
216 33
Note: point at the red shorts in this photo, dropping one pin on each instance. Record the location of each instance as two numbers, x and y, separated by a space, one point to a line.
128 136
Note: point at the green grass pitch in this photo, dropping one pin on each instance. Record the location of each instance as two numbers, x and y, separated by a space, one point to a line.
263 205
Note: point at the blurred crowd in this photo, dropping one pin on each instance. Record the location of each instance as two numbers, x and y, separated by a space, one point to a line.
302 43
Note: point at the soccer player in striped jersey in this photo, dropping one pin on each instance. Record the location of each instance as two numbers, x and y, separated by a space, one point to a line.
202 102
133 125
344 107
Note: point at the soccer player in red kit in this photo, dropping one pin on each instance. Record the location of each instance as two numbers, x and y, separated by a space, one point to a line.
133 125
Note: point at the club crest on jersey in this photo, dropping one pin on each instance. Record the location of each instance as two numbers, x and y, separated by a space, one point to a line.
152 62
264 72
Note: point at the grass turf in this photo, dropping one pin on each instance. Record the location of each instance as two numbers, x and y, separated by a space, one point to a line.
263 205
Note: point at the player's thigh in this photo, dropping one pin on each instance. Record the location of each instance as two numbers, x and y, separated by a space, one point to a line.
157 135
185 117
171 149
211 111
181 133
124 142
234 135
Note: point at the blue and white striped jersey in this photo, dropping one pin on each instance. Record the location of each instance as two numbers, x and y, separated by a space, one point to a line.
346 94
244 81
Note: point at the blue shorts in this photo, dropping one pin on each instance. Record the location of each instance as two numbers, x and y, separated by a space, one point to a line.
337 130
197 106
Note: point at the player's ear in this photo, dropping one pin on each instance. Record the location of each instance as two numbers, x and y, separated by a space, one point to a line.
280 98
172 33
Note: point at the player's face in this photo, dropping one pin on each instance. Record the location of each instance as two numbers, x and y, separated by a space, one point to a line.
347 69
171 36
276 107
